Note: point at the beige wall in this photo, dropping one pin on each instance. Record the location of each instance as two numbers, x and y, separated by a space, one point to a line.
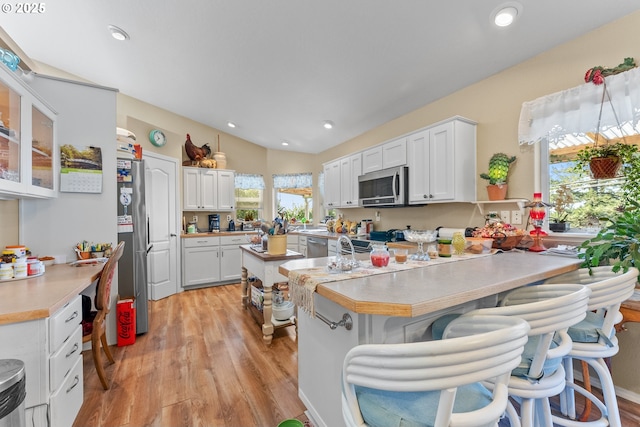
494 103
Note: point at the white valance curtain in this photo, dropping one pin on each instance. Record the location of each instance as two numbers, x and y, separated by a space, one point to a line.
576 111
293 180
245 181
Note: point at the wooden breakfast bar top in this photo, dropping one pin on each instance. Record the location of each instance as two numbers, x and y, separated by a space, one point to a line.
39 297
419 291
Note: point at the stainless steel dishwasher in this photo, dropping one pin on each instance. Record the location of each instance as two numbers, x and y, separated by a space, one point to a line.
317 247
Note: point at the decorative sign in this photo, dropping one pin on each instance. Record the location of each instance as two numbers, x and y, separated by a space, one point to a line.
80 169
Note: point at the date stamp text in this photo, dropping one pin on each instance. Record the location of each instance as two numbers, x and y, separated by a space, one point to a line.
23 8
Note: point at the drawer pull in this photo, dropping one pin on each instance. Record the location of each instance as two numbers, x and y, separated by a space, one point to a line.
73 350
76 381
73 316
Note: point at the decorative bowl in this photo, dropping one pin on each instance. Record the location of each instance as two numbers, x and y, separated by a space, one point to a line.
283 311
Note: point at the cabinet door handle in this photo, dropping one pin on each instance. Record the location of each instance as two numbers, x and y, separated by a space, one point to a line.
76 381
73 316
73 350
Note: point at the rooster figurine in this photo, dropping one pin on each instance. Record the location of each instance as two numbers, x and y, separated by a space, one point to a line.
195 153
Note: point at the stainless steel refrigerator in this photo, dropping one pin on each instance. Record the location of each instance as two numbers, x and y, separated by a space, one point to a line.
133 229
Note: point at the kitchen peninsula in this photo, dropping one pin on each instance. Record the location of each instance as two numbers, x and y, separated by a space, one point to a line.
397 307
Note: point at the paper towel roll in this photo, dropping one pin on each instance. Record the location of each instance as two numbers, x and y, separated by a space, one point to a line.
447 233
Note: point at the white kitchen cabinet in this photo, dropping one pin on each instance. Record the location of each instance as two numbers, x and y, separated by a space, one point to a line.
200 261
332 247
53 364
388 155
292 242
29 158
332 184
350 170
442 163
208 189
231 257
302 245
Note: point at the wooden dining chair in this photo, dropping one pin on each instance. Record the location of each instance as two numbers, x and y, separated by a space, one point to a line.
98 336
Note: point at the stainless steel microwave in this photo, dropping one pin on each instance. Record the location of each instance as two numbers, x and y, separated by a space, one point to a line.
387 187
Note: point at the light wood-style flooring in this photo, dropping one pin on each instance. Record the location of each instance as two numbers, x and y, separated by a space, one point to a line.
203 363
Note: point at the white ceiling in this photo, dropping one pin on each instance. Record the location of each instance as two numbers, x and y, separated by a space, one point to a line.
279 68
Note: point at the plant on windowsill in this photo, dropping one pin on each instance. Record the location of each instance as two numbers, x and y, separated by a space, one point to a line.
617 243
562 202
497 176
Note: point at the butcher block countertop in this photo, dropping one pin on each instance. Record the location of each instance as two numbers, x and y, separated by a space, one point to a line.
419 291
40 297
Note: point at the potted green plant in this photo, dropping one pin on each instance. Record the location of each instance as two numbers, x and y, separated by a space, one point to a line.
604 161
497 176
617 243
562 202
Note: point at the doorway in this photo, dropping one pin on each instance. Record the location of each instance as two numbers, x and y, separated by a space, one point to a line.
162 208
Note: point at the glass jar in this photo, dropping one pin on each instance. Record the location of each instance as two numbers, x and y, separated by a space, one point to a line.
379 256
432 250
444 248
458 242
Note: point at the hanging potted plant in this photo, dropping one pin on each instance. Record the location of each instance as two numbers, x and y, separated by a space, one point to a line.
497 176
604 161
562 202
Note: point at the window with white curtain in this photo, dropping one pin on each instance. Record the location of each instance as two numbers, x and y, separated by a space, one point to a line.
293 195
249 190
564 122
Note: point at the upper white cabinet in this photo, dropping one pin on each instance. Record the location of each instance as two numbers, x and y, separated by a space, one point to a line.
442 163
28 150
388 155
208 189
350 170
332 184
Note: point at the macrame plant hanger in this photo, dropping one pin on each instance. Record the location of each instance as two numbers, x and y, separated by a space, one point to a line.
606 167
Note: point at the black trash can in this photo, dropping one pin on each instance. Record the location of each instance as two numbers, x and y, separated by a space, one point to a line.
12 393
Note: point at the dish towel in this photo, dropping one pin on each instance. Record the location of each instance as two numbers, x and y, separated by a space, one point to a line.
303 283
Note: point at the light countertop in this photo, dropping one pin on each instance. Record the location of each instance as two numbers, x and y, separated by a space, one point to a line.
40 297
424 290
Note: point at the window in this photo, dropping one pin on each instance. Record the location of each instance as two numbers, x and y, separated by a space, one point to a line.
249 196
293 195
565 122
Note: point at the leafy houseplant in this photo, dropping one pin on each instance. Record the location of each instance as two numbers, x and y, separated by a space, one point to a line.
618 154
497 176
617 243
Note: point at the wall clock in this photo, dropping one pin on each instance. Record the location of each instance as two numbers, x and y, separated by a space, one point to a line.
157 138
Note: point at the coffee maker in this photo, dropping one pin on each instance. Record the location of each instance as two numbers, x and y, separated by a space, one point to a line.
214 223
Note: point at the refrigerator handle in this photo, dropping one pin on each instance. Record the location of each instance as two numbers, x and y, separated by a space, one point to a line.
149 248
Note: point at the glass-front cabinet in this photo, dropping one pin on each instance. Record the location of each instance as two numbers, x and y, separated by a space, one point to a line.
28 165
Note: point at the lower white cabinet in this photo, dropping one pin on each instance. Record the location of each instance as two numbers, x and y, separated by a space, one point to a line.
209 261
302 245
53 364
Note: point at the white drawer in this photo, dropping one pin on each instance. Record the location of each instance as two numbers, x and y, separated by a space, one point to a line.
64 322
302 240
238 240
66 401
194 242
63 360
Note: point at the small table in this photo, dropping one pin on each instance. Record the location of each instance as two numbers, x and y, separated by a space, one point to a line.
265 267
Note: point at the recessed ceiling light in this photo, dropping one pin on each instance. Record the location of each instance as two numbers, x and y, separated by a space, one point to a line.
328 124
231 124
118 33
285 143
506 14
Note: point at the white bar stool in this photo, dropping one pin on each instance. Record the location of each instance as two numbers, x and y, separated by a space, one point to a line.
435 383
594 340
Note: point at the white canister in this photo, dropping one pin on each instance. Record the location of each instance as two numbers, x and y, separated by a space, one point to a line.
221 160
6 271
20 268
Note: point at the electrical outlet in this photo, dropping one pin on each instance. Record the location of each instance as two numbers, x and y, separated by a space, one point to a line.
195 218
505 216
516 217
228 218
377 215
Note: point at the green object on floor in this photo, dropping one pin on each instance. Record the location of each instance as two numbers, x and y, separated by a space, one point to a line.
291 423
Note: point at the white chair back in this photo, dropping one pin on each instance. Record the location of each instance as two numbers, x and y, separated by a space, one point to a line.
473 350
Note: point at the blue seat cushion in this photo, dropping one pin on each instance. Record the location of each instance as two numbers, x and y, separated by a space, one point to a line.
550 365
588 329
382 408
